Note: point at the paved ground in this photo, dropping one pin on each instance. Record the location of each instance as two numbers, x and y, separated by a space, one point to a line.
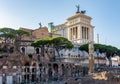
54 82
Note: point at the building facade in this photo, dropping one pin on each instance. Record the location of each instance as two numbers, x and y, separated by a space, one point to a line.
72 63
77 28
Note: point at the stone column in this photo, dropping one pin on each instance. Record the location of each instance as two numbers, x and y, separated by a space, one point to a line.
69 30
87 33
66 70
91 45
71 33
38 73
69 70
46 72
76 32
79 32
30 74
59 71
22 73
84 32
91 57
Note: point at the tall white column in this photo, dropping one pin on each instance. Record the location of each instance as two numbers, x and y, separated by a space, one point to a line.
91 57
91 51
69 30
80 30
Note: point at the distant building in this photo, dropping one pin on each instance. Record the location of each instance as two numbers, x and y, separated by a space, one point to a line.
39 33
115 60
35 34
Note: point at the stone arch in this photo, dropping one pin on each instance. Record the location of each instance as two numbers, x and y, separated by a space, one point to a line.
23 49
67 69
63 69
55 71
26 70
40 65
34 64
55 67
37 50
40 69
27 64
50 72
34 67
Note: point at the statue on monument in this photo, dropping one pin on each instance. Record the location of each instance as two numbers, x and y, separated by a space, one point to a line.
40 25
78 8
83 12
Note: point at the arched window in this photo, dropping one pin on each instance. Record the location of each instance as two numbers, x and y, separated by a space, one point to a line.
68 54
37 50
23 50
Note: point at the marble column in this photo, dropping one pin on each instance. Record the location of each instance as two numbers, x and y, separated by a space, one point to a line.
30 73
91 57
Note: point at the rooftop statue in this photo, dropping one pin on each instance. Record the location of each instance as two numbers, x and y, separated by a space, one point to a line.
40 25
83 12
78 8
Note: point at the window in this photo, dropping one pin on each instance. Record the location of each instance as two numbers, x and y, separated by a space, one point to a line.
46 51
28 70
68 54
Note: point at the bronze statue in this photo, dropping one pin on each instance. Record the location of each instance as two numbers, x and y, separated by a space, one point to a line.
78 8
40 25
83 12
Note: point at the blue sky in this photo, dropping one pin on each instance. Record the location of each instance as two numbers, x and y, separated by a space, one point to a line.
28 13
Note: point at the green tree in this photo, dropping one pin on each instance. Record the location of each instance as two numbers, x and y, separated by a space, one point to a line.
42 43
20 33
18 36
109 50
11 35
7 35
60 43
57 44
